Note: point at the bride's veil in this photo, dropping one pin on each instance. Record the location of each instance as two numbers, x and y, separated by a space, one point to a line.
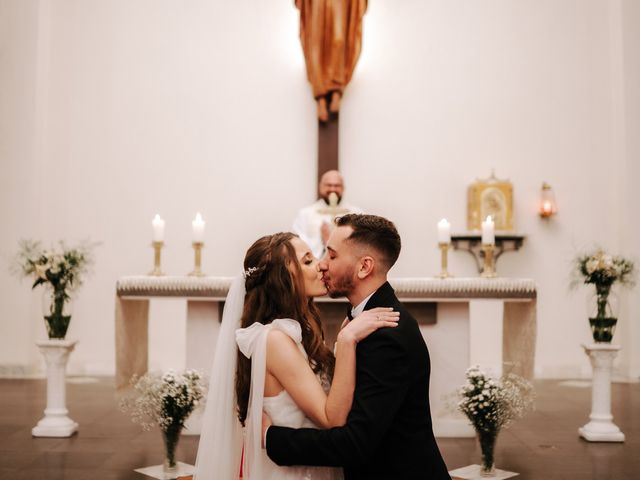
220 448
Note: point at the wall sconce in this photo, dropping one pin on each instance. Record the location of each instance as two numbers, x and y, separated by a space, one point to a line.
548 206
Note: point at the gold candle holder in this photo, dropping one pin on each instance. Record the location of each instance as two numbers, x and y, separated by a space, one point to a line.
489 270
157 249
197 249
444 249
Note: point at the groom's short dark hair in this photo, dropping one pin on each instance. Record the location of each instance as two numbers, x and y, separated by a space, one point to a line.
374 231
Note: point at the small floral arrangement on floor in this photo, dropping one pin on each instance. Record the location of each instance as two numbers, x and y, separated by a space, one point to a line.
493 404
62 269
165 400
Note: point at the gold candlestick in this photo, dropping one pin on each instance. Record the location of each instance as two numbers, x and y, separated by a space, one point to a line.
489 270
444 248
197 249
157 248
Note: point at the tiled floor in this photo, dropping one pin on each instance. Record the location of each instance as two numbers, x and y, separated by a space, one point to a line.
544 446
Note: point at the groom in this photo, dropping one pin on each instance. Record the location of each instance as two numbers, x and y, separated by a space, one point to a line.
388 434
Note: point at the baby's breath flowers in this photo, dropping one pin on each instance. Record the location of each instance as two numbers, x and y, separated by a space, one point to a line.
492 404
165 401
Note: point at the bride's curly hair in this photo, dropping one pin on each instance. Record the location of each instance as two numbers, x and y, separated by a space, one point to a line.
275 289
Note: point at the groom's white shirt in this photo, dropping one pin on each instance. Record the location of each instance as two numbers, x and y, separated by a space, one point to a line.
355 311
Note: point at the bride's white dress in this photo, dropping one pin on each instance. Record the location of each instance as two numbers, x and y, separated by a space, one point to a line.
281 408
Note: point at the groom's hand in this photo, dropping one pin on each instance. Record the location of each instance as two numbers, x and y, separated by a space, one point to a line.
266 423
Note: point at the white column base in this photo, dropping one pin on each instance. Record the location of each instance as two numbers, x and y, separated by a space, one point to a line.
601 427
56 423
601 432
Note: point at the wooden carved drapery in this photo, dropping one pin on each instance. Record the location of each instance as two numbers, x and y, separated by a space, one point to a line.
331 37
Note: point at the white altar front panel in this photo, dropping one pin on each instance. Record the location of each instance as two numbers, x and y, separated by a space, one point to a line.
448 341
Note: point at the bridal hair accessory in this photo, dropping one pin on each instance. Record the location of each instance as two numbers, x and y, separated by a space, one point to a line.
249 271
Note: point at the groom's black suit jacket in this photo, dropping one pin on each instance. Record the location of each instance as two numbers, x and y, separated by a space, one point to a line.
388 434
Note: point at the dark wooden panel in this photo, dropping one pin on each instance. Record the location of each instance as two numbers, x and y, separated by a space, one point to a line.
328 145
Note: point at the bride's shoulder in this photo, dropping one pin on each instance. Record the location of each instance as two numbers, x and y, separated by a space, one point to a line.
283 328
288 326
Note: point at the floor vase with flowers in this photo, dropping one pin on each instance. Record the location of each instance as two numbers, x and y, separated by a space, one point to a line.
492 404
487 439
603 323
56 309
59 271
171 436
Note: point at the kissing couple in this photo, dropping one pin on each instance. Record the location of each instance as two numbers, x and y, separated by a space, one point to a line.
282 405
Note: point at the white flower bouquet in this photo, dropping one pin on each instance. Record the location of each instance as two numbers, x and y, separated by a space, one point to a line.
603 269
62 269
165 401
493 404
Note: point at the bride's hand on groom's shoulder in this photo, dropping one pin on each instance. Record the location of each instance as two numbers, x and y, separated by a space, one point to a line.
368 322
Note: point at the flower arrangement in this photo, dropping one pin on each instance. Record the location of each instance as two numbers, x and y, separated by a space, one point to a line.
165 401
603 271
491 405
62 269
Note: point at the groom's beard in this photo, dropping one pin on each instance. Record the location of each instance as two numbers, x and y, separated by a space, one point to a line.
341 286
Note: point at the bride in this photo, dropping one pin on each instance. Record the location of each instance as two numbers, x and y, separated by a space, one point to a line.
271 355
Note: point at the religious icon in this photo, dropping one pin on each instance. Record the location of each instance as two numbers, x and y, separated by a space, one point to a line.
493 197
331 37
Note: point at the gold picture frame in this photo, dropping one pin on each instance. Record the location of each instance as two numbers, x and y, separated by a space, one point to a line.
490 196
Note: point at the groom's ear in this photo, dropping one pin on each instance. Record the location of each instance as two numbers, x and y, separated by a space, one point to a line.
367 263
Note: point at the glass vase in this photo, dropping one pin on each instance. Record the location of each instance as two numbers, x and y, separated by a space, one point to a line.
171 436
57 308
487 446
603 319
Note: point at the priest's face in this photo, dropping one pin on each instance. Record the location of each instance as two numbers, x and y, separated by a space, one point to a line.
331 182
311 276
338 266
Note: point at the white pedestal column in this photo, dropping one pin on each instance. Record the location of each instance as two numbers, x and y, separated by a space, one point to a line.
601 427
55 422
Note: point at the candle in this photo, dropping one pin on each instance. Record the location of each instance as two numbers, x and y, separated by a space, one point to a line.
488 233
198 229
158 228
444 231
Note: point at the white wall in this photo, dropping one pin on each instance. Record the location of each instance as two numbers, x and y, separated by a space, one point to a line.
113 111
630 172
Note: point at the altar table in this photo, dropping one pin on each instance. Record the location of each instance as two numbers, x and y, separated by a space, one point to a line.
465 321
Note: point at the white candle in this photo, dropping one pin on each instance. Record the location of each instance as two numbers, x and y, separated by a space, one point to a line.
444 231
158 228
488 232
198 229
